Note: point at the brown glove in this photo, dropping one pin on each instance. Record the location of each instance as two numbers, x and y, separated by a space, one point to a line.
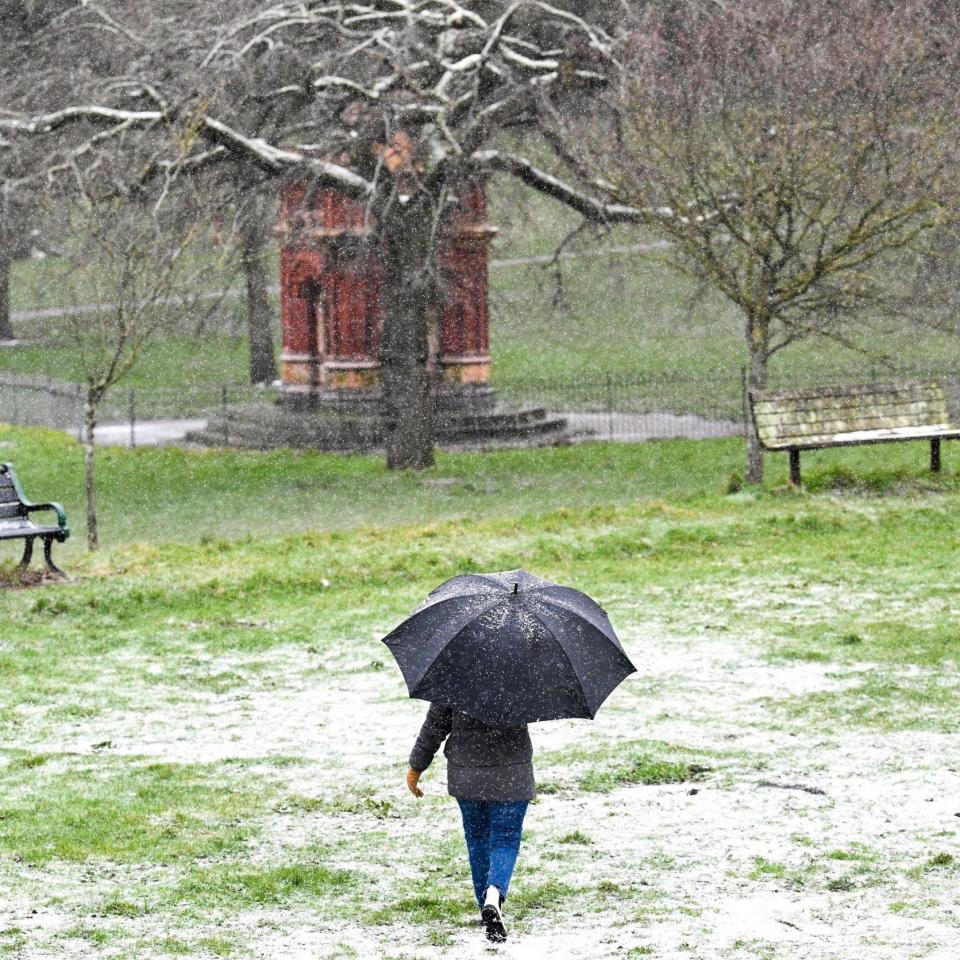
413 777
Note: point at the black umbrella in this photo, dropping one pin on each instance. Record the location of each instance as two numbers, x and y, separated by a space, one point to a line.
509 648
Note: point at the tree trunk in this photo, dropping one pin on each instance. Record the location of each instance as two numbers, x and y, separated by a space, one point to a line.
410 293
6 325
253 254
757 345
89 451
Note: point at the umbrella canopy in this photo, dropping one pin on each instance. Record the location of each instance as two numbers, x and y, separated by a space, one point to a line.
510 648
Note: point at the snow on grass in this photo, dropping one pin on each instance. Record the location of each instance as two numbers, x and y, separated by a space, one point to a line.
752 791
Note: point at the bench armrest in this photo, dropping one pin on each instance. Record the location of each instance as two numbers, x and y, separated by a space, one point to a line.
29 507
61 515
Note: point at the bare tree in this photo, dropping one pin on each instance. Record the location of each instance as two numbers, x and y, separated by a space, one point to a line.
800 142
132 263
28 72
393 102
255 218
13 235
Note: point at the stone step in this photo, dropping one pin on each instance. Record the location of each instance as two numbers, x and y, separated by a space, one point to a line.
263 426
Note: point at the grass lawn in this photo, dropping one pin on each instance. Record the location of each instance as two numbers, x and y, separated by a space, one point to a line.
204 741
166 494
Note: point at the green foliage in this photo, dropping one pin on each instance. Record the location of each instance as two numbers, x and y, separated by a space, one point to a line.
842 884
429 906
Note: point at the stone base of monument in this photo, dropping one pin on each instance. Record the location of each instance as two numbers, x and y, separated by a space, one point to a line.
352 420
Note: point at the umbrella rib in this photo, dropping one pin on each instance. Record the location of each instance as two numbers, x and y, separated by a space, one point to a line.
452 638
456 596
423 676
614 639
489 579
573 669
564 605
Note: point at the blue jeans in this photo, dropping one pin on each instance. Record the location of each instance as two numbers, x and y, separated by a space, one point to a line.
492 832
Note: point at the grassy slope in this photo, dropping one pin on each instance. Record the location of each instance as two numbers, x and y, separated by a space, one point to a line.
173 850
172 494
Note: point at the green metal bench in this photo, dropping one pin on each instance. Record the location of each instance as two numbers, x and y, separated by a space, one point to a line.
812 419
15 522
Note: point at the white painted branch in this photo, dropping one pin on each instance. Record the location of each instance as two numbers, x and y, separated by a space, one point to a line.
598 38
326 83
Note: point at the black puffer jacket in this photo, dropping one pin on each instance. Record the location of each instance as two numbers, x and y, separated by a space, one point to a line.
483 763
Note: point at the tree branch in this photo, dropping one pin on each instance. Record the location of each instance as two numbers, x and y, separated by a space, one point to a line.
552 186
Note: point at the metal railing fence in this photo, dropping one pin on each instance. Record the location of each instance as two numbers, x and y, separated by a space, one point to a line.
44 402
598 405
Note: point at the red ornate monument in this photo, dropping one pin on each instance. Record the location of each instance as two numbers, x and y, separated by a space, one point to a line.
330 304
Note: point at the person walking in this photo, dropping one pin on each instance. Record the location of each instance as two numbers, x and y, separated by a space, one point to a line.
492 652
490 773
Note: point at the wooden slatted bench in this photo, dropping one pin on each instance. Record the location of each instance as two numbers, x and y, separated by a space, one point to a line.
15 522
815 418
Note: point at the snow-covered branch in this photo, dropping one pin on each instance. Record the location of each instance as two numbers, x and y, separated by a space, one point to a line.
576 199
255 150
48 122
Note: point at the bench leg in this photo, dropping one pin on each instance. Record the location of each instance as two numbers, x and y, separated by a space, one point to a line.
795 467
47 548
27 554
935 456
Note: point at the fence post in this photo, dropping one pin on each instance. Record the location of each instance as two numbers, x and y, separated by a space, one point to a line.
610 404
79 413
745 399
223 416
16 412
133 419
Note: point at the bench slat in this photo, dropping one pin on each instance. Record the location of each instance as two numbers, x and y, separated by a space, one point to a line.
830 403
800 433
17 528
921 414
32 532
864 413
855 390
905 415
816 441
848 403
831 423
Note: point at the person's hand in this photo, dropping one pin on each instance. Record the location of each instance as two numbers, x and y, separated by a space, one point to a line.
413 778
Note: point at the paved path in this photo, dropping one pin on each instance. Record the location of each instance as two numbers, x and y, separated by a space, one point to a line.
585 426
233 293
647 426
149 433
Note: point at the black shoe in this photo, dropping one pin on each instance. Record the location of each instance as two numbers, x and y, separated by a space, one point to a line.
493 921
